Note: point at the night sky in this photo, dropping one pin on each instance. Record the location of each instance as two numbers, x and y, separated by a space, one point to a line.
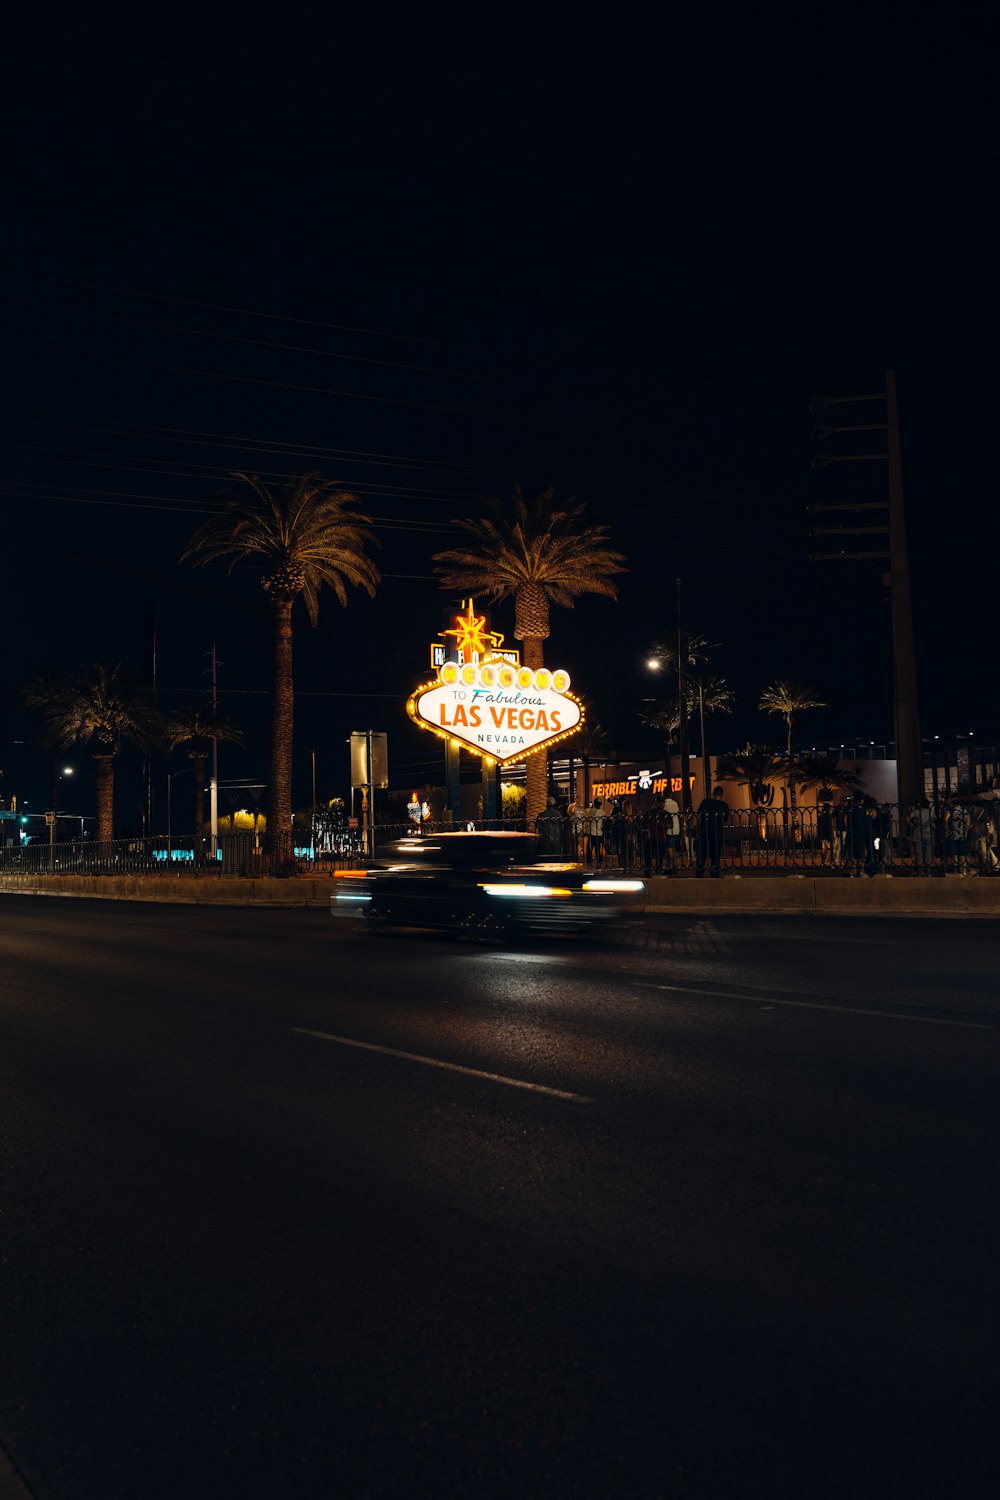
429 267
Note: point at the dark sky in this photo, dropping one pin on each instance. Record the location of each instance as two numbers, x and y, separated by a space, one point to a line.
428 267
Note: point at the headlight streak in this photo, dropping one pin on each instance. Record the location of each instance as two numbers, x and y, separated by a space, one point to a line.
613 885
525 891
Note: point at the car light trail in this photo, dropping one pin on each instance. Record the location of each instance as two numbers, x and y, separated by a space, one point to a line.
521 891
613 885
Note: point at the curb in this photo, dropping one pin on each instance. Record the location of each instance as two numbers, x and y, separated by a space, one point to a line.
793 895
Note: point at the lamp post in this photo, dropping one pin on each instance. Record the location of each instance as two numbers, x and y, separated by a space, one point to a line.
684 678
53 815
654 663
312 824
184 771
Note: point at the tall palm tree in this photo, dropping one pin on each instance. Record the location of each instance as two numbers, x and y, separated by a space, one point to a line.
101 706
300 536
194 726
538 553
788 699
756 767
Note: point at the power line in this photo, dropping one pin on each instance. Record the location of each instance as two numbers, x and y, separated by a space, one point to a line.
246 312
207 333
366 457
278 385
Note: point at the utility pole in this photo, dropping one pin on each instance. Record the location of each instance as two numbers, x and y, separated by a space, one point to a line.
213 796
909 749
149 677
682 730
906 715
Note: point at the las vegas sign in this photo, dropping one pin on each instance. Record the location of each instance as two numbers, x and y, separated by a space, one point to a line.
500 711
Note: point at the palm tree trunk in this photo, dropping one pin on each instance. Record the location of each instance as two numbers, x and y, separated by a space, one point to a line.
279 768
198 763
537 765
788 757
104 772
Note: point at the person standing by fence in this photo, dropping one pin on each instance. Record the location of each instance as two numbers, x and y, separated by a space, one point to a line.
829 838
955 836
712 815
858 837
549 830
593 824
920 823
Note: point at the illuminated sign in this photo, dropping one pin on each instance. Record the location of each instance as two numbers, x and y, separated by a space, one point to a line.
440 654
470 640
500 711
658 785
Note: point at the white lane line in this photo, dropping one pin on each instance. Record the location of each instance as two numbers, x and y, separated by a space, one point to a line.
847 1010
436 1062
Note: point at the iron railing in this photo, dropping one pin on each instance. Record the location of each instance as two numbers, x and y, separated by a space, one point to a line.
849 839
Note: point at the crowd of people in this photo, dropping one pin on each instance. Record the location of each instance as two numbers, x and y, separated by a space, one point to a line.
663 839
856 836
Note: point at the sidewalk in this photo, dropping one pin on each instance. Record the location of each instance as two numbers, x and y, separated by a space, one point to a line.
763 893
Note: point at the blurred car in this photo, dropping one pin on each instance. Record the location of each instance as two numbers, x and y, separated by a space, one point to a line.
484 886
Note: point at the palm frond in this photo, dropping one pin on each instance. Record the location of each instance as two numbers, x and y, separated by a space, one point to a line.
305 533
532 542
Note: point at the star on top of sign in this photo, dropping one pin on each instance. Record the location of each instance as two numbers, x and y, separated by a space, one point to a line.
472 638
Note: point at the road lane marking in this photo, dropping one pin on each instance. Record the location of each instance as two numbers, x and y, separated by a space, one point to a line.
847 1010
437 1062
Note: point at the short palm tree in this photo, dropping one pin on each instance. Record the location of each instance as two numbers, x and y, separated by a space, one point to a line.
788 699
538 553
300 536
756 767
194 726
826 774
592 743
101 706
704 696
664 715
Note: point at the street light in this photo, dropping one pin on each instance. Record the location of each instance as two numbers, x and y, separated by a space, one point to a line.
53 815
312 825
686 678
184 771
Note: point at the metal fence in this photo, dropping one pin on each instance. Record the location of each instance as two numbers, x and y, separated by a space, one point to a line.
234 854
851 839
240 854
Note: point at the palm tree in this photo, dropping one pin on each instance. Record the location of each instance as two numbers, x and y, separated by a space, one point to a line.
756 767
195 725
702 695
301 536
788 699
591 742
101 705
539 554
825 773
663 714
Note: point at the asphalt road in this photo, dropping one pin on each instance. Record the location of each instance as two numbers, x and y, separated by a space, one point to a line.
287 1211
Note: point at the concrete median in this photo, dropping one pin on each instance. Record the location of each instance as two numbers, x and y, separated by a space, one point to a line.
879 896
791 895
